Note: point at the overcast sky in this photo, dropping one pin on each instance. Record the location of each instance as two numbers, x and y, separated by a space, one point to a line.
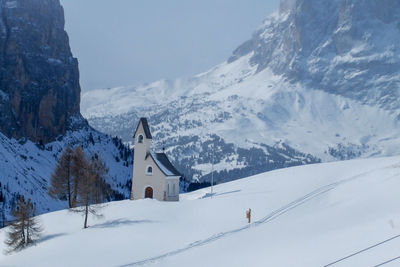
128 42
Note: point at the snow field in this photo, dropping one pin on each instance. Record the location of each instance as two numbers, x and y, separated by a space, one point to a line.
303 216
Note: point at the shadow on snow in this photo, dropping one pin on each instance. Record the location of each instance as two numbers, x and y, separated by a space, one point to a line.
120 222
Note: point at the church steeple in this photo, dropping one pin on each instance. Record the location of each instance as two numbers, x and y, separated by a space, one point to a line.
142 138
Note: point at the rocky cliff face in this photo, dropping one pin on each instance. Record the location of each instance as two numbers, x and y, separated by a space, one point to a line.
350 48
39 103
39 77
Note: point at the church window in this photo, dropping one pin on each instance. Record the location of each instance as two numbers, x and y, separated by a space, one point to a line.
140 139
149 170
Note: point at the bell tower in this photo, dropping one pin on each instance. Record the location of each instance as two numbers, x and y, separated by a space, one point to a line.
142 141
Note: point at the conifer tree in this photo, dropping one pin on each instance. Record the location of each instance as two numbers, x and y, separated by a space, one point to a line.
62 179
25 230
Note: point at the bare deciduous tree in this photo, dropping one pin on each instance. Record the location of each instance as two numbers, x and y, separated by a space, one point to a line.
80 181
62 179
79 171
25 230
92 189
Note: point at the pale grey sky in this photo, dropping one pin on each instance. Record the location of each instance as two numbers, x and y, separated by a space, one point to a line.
128 42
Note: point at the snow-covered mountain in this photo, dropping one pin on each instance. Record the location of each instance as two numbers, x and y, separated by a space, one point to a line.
349 48
302 216
40 108
319 80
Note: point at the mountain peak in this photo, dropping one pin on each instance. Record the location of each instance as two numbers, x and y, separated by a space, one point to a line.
338 46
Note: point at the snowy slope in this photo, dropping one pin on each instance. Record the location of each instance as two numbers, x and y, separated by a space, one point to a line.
319 78
303 216
26 168
260 108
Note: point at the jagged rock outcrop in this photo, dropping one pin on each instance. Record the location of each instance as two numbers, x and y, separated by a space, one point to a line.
345 47
40 108
39 77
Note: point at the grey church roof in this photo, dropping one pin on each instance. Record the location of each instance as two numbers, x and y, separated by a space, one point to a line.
160 159
145 127
165 165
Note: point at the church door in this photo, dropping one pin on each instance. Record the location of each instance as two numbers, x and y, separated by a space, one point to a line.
148 193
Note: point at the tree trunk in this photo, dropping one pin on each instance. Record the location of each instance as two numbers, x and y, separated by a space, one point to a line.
75 192
69 187
86 215
27 231
23 230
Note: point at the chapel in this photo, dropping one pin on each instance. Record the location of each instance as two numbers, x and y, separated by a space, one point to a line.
154 176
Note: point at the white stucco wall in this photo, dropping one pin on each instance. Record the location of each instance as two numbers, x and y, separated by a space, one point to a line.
172 182
157 180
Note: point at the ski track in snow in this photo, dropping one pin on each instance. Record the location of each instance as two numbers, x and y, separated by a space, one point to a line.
271 216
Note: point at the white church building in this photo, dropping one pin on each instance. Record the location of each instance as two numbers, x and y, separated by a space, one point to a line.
154 176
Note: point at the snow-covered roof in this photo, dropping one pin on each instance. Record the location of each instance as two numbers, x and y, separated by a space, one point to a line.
165 165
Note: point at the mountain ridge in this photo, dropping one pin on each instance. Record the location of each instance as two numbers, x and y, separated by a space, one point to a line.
307 83
333 46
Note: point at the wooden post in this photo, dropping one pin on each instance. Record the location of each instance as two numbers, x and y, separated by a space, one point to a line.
248 215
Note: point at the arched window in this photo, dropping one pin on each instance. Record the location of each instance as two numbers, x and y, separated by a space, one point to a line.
140 139
149 170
